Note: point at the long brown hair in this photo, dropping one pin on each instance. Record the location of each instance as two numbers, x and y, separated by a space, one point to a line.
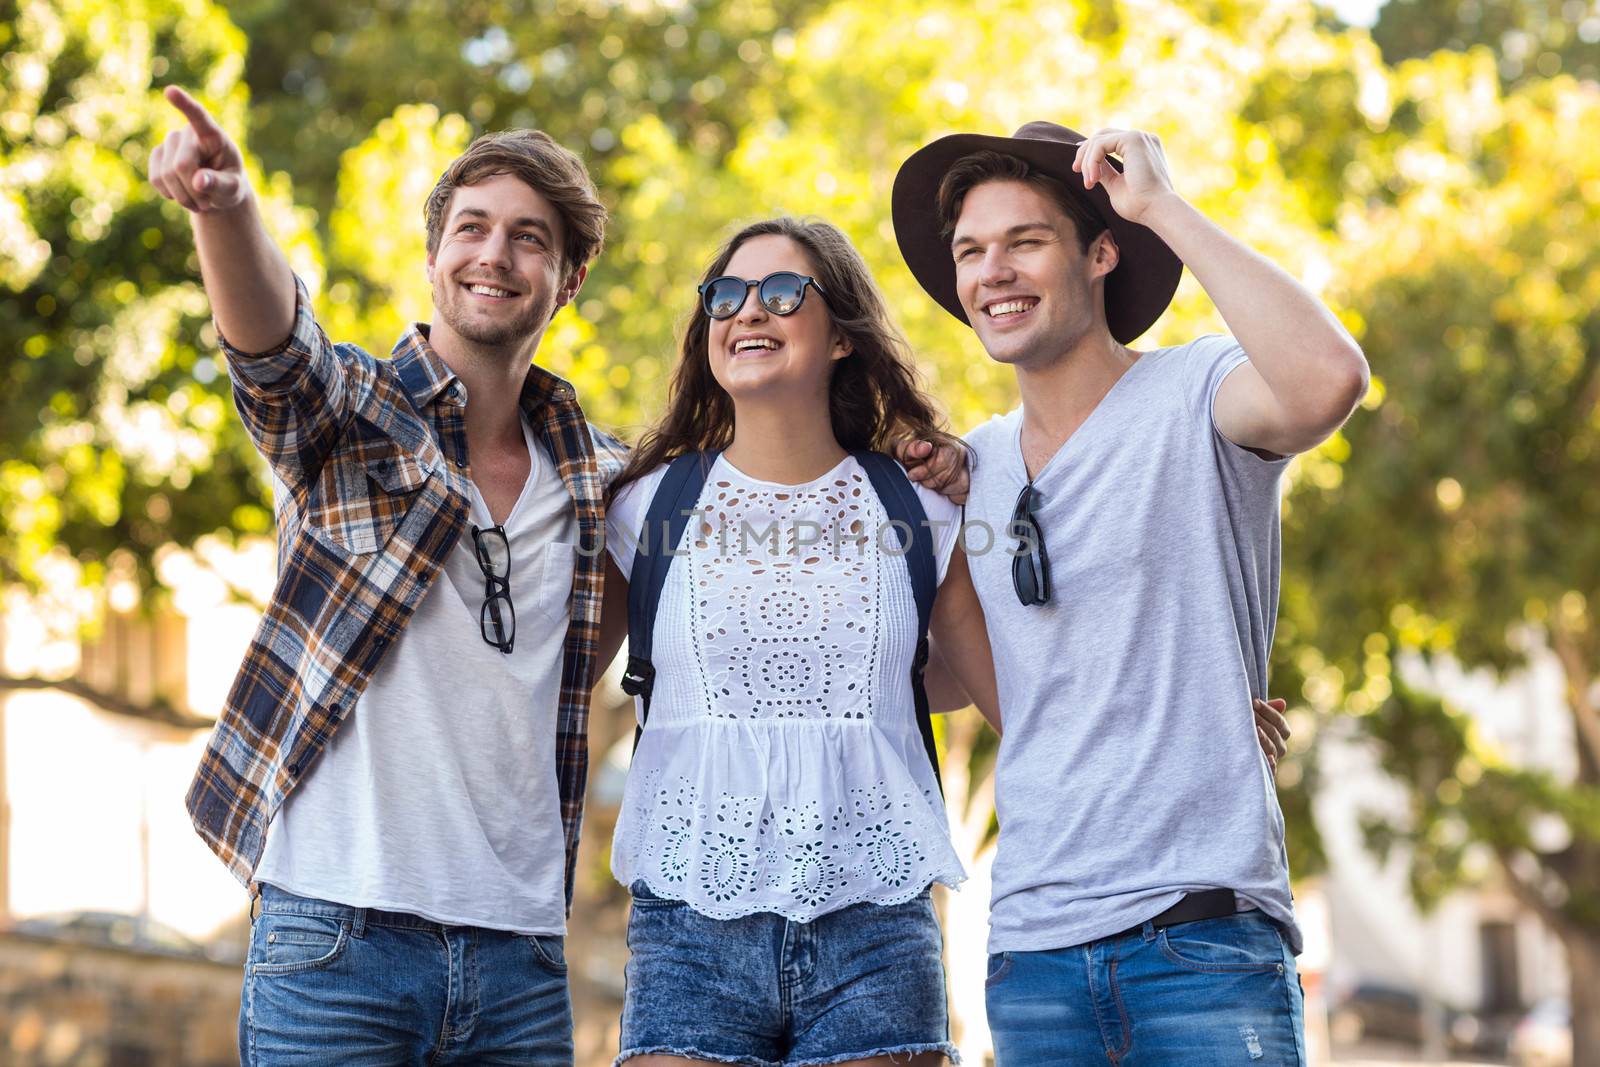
875 397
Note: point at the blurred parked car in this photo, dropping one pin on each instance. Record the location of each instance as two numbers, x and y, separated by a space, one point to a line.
110 928
1544 1036
1372 1011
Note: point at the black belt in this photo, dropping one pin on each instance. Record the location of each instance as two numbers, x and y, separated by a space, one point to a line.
1208 904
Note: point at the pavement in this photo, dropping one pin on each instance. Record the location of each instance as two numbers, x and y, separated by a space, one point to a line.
1394 1057
1383 1054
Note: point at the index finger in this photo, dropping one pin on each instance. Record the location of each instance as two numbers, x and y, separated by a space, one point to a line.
1100 146
200 119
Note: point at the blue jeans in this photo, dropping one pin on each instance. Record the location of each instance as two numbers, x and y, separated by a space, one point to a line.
325 983
765 991
1212 992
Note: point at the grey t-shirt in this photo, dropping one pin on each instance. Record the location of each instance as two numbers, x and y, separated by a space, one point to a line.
1129 772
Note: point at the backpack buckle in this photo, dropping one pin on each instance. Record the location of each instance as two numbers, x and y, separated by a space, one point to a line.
639 678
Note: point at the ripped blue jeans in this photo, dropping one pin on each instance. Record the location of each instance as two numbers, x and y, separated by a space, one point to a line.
1197 994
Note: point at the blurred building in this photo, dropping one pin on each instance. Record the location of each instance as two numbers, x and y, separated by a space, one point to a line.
1461 976
121 935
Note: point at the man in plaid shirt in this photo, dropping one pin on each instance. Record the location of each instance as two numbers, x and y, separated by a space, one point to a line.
401 761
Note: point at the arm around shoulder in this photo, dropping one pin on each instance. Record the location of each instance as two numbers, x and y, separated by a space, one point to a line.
959 637
613 617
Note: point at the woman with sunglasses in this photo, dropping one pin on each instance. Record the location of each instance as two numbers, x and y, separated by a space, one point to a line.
782 824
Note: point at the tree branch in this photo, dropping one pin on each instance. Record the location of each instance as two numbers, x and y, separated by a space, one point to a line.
1531 898
1585 393
159 711
239 594
1580 689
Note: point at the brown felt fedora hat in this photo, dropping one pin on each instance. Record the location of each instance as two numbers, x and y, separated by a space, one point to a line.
1137 291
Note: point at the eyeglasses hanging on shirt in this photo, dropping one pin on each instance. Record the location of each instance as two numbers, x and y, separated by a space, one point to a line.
1030 564
497 621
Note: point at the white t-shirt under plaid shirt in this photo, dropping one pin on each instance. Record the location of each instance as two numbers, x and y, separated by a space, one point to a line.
781 769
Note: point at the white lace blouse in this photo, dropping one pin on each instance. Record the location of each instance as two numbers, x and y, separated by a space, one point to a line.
781 769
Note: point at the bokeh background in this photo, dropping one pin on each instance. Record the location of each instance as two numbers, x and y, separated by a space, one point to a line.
1430 167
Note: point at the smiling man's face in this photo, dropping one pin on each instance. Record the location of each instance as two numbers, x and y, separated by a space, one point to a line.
498 274
1027 288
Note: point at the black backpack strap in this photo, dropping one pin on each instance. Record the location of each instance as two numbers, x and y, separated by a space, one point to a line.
665 520
910 523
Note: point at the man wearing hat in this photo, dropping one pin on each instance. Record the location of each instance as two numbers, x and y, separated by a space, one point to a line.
1141 908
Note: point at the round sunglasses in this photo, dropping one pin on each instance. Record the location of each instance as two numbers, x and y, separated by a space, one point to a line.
781 293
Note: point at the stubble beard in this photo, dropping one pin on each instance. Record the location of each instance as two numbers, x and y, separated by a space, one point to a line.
512 333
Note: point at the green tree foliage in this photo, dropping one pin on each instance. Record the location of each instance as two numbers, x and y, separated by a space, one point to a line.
693 116
1462 523
1532 39
582 70
1451 221
115 426
585 71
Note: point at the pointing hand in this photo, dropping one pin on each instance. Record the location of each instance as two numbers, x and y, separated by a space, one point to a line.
198 165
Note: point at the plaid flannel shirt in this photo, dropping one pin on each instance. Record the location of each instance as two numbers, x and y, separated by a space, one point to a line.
369 463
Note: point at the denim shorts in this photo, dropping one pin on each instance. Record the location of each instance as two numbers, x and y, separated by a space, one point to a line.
866 980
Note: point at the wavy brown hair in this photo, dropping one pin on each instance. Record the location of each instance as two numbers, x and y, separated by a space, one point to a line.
875 397
544 166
